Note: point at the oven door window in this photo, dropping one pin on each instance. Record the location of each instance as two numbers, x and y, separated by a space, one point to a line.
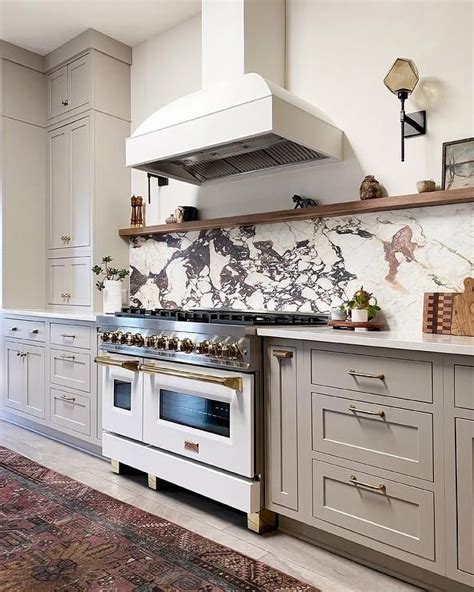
195 412
123 394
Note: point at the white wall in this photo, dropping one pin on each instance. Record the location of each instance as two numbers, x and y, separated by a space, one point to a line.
338 53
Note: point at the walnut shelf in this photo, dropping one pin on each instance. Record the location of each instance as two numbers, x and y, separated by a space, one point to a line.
401 202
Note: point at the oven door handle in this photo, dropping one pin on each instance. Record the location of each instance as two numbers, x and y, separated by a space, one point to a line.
132 365
233 382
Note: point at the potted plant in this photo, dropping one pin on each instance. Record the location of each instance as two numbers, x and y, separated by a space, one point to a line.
110 283
363 306
339 313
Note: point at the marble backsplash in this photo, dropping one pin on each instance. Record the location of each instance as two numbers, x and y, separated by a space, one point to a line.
310 265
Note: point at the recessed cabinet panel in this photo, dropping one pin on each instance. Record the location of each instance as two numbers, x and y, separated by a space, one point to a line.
465 493
464 386
389 512
58 92
79 82
71 410
399 440
80 159
390 377
58 281
283 430
70 281
59 188
34 381
70 369
80 281
14 376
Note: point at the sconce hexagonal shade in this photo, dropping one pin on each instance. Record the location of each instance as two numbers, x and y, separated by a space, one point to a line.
402 76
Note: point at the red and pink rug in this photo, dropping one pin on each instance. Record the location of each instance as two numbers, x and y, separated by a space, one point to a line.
58 534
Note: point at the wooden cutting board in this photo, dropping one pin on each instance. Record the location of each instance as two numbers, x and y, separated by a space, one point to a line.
450 313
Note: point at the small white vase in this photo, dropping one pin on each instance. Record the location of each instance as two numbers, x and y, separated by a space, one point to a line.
359 315
112 296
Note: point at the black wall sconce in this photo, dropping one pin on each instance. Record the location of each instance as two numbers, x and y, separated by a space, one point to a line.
401 80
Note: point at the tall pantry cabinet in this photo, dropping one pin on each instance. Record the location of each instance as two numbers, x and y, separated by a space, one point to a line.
88 114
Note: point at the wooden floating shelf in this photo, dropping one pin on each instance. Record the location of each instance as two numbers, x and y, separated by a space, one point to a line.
382 204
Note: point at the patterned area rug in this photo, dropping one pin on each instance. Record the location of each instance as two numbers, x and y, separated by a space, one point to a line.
58 534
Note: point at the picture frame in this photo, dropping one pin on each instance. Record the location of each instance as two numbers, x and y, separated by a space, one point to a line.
458 164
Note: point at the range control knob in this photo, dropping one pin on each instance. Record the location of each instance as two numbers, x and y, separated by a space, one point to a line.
173 344
215 350
233 351
126 338
151 341
117 337
203 347
186 345
162 342
106 336
138 339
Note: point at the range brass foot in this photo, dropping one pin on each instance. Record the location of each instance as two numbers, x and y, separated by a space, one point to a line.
152 482
261 521
116 466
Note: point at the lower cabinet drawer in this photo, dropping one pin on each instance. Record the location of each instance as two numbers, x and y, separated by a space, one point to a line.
23 329
70 369
464 386
390 438
71 335
71 411
397 515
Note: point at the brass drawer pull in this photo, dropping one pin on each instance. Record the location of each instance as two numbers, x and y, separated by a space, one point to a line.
355 409
67 399
132 365
366 374
233 382
65 335
35 331
13 329
282 355
66 357
380 487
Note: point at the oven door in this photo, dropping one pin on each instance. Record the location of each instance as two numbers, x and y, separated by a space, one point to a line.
122 395
203 414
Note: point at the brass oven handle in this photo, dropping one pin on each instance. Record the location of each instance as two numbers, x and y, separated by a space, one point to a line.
366 374
380 487
132 365
232 382
355 409
281 354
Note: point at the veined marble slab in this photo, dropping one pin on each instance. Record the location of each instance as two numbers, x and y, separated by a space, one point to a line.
310 265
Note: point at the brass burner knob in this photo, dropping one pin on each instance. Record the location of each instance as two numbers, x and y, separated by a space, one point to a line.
138 339
203 347
117 337
186 345
173 344
233 351
126 338
152 341
162 342
106 336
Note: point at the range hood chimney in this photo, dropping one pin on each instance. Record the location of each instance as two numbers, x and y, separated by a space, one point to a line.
243 121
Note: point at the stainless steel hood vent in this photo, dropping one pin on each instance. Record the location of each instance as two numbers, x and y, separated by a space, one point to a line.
236 158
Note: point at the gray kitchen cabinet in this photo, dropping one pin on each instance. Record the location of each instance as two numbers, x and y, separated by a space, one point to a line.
282 426
24 380
70 185
69 87
465 494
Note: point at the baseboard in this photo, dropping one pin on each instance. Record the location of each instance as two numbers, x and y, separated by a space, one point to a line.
370 558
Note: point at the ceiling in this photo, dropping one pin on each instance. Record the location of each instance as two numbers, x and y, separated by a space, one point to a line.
44 25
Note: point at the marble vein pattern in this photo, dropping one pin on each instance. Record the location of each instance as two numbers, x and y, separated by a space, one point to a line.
310 265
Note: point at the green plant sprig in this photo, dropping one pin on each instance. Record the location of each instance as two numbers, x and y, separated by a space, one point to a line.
108 273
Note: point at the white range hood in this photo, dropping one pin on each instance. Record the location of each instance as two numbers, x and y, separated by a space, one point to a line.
244 124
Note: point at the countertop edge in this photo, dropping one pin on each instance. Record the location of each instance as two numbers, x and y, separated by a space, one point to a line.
88 317
445 344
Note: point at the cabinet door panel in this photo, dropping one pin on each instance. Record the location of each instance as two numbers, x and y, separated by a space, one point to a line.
465 493
59 281
34 381
79 82
80 274
80 182
59 188
283 429
14 376
57 92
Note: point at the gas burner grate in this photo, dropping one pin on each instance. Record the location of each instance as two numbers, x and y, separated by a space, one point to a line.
227 317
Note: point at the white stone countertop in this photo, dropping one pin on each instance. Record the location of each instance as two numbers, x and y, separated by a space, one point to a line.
444 344
49 314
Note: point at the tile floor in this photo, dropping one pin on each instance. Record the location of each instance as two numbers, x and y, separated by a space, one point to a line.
320 568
